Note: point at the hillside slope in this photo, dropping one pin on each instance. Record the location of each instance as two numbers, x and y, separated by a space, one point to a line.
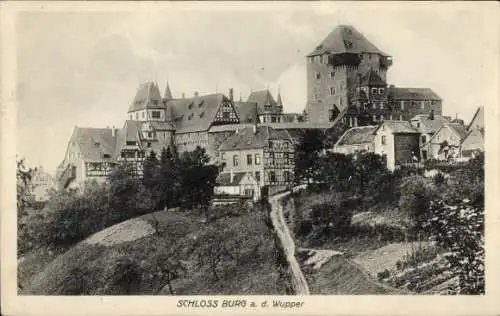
111 262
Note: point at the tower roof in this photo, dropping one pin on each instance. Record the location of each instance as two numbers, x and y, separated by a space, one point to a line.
279 102
168 93
147 97
346 39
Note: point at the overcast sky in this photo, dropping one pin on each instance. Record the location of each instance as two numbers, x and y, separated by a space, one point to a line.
83 68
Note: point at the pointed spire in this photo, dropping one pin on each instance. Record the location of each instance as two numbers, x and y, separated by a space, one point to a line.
168 93
279 102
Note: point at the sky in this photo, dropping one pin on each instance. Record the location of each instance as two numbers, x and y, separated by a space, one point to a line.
82 68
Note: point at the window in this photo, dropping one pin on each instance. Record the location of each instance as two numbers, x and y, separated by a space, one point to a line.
341 102
131 143
380 90
97 144
273 119
374 118
257 159
332 74
332 90
249 159
235 160
325 59
272 176
222 156
401 117
423 105
270 143
286 176
156 114
257 176
136 116
149 144
150 134
384 141
374 90
418 124
402 105
202 114
424 139
285 145
381 105
318 75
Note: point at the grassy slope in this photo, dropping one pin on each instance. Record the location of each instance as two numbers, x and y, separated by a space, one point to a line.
92 269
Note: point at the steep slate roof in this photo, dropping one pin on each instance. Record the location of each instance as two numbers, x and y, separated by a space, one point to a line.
147 97
262 98
94 143
398 127
459 129
129 132
247 111
371 78
247 139
413 94
225 178
168 93
195 114
357 135
429 126
346 39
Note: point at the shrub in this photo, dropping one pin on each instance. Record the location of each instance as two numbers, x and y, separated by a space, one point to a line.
331 217
416 195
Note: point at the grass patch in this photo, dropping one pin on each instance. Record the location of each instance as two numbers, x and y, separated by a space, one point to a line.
168 262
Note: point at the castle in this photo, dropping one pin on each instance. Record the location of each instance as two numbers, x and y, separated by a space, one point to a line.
346 81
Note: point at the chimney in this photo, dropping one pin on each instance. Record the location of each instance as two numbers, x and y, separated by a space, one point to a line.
431 116
255 129
231 176
196 94
231 96
183 95
113 131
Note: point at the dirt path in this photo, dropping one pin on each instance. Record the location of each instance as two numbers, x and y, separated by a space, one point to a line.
298 279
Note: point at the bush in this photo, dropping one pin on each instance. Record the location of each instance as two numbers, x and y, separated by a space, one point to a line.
331 217
416 195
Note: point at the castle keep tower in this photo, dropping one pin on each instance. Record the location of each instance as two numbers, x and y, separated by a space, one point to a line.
335 70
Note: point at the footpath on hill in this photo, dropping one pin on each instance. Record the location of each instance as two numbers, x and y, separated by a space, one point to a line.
332 272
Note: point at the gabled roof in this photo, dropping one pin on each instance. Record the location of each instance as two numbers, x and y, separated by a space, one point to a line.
478 118
398 127
247 139
94 143
225 178
413 94
459 129
357 135
247 111
429 126
346 39
195 114
147 97
263 98
129 132
371 78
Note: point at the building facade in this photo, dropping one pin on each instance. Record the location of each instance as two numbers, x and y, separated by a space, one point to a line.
41 185
261 151
347 80
397 141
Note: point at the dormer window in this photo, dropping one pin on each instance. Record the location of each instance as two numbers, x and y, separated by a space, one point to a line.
381 90
374 90
202 114
190 116
201 103
96 144
190 106
156 114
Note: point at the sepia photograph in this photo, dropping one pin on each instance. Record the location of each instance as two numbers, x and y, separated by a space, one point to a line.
282 150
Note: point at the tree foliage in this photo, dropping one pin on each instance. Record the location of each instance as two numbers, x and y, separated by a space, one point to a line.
311 143
23 181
